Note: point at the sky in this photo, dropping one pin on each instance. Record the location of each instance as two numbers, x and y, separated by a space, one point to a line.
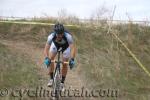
125 9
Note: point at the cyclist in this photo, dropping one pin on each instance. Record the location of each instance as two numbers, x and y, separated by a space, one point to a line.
59 38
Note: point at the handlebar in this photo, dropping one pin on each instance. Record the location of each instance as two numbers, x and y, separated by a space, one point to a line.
55 61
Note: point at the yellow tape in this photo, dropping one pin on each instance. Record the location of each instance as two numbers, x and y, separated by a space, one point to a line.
33 23
132 54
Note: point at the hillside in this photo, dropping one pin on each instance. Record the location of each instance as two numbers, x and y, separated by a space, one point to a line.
102 62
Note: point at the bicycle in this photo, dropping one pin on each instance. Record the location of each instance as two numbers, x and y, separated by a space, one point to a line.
57 76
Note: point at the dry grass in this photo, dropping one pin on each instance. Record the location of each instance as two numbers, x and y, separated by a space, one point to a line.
102 61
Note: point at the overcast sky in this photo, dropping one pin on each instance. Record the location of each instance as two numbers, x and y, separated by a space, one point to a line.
136 9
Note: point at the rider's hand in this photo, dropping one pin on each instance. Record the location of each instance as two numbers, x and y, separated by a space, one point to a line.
71 63
47 61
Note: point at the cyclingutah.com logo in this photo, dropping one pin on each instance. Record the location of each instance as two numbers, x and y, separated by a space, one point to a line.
40 92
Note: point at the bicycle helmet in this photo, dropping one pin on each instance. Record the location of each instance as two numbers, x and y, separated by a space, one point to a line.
59 28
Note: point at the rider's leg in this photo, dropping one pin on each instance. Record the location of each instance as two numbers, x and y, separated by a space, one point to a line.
66 56
51 68
52 54
64 69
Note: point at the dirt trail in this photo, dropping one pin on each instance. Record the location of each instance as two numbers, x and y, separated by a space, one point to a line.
73 80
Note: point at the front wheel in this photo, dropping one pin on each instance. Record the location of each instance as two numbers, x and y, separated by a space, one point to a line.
56 85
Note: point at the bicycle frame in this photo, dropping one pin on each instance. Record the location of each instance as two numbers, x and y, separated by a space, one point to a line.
57 76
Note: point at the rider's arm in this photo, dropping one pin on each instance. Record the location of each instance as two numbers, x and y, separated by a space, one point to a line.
48 44
73 50
46 50
71 45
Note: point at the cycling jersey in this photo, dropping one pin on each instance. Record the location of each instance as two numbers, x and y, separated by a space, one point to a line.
64 43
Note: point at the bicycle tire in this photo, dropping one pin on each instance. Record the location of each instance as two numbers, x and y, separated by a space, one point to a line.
56 85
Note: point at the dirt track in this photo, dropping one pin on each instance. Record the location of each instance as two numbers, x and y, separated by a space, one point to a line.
73 80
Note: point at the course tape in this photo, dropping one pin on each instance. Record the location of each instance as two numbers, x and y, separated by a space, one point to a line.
132 54
33 23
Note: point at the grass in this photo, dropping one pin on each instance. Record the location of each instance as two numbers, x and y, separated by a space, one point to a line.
17 70
101 68
104 62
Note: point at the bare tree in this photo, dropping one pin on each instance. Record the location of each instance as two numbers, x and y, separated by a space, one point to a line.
65 17
100 15
62 15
